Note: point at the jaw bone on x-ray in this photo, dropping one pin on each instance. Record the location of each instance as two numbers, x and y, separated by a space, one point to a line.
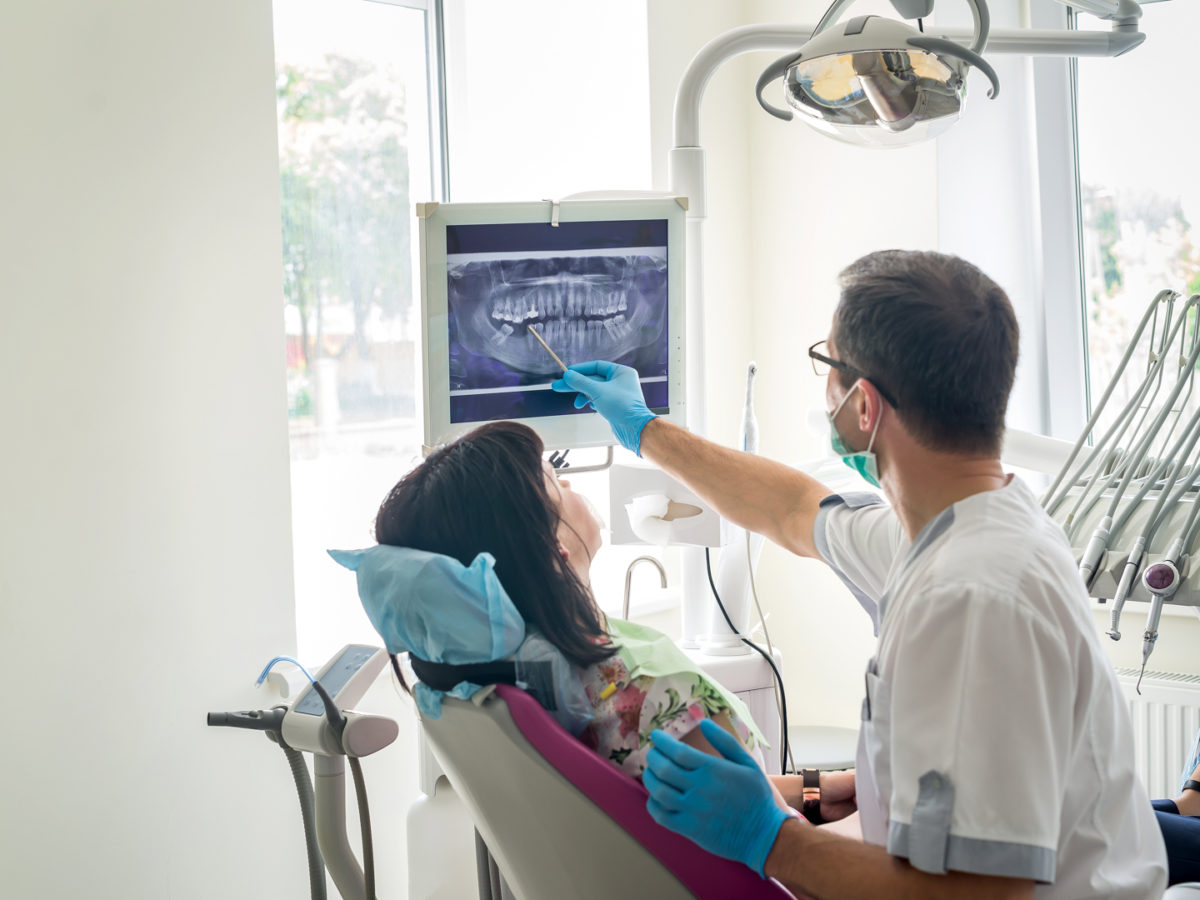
586 301
585 307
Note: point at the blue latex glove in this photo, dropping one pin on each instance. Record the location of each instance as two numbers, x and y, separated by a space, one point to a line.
724 805
613 391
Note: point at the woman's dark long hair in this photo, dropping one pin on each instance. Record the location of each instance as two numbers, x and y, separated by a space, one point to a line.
487 491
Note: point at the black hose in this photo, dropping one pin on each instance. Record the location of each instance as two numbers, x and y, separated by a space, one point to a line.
763 653
304 788
364 821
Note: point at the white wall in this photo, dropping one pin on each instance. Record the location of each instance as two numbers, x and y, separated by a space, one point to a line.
821 205
541 103
144 529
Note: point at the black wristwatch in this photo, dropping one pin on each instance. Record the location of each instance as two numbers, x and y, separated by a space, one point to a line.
1190 785
810 806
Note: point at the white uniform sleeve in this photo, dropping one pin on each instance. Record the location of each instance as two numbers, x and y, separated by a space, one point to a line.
979 695
859 536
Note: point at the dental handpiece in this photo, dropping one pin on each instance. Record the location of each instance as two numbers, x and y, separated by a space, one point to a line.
749 420
1162 580
1178 480
1151 635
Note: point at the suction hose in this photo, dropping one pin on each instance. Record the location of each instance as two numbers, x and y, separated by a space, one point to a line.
304 789
364 822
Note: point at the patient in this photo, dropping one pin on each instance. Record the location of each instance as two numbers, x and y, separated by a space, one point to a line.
491 491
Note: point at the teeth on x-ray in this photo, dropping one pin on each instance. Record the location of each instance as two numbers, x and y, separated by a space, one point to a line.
583 307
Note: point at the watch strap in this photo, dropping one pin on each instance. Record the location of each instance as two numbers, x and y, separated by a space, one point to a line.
811 796
1191 785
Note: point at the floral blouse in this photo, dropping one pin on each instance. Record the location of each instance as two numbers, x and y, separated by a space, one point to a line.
628 709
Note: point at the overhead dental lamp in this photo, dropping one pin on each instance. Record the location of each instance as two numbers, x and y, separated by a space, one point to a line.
879 82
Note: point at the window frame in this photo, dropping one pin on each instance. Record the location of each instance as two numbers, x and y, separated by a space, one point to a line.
1065 376
310 632
435 78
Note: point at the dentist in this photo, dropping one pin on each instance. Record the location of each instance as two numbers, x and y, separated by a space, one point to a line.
995 755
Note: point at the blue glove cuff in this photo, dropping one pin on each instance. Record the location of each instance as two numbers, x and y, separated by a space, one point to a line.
629 432
757 853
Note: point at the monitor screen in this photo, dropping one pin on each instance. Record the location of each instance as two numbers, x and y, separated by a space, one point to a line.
604 283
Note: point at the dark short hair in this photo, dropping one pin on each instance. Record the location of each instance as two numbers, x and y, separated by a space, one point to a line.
940 336
487 491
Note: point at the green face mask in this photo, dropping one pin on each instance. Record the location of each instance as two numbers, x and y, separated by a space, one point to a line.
861 461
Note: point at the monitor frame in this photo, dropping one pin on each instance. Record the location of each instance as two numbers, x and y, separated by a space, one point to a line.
560 431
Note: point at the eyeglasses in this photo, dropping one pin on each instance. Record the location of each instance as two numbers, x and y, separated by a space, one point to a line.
821 364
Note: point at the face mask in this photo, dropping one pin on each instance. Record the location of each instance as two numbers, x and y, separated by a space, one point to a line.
861 461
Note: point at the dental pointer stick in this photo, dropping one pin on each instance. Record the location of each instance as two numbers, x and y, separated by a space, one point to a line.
547 346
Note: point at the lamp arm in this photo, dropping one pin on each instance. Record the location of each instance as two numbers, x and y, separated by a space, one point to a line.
913 9
983 25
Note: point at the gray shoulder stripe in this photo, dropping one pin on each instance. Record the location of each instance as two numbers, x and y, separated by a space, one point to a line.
852 499
820 540
983 857
933 530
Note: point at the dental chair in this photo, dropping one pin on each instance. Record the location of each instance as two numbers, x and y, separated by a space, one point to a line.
560 821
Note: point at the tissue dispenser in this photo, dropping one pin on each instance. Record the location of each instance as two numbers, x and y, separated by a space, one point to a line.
648 490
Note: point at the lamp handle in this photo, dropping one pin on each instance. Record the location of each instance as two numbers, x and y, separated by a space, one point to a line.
773 71
979 12
950 48
831 15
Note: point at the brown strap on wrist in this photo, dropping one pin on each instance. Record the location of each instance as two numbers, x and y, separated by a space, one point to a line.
811 796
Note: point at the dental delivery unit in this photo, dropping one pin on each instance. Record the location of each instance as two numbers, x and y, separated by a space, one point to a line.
1127 493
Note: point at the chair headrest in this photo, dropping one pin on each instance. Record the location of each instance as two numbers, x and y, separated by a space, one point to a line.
441 611
433 606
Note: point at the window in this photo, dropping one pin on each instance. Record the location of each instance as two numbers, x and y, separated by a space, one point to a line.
1139 181
1081 171
546 99
356 151
359 145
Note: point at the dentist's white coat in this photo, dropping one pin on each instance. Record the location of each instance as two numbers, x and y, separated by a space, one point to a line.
995 738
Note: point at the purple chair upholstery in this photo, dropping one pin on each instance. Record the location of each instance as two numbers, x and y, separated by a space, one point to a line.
623 799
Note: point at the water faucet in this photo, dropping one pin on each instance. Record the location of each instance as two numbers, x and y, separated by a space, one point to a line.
662 574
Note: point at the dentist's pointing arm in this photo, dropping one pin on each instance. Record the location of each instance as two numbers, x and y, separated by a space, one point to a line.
756 493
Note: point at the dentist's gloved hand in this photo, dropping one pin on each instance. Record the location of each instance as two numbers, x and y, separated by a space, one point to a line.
724 805
613 391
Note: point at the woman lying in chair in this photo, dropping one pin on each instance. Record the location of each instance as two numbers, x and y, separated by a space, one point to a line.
431 587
